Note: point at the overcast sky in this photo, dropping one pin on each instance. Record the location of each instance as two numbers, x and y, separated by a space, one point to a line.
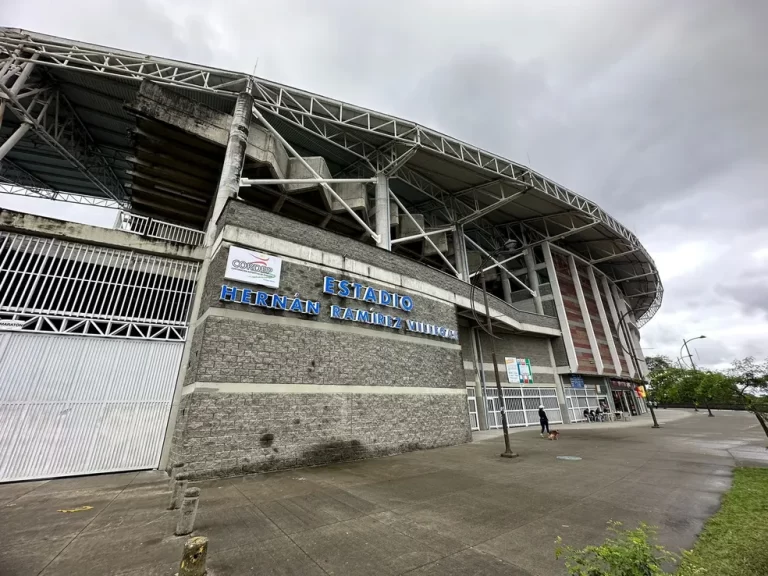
654 109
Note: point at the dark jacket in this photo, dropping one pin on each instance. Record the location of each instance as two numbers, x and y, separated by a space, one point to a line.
543 415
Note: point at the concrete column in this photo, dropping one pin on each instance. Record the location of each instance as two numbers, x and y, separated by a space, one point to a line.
533 279
560 307
558 384
505 286
585 315
11 141
193 316
604 321
460 249
614 303
229 182
383 224
477 358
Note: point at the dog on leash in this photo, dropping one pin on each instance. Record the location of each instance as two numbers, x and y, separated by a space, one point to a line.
553 435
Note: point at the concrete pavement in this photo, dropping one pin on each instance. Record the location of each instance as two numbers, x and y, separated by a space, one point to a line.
457 510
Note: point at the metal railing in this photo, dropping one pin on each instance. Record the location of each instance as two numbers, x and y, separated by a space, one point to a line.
146 226
59 279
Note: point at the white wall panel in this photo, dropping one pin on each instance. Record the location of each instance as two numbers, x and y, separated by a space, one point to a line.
82 405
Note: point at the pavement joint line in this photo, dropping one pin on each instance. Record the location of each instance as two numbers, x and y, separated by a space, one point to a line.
502 560
76 536
315 562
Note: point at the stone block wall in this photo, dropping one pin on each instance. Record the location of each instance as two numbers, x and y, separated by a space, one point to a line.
251 433
270 389
248 351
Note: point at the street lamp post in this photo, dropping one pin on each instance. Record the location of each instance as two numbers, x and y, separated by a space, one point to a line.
499 391
693 365
630 350
508 453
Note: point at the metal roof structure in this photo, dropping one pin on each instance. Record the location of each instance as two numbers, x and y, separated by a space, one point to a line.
79 143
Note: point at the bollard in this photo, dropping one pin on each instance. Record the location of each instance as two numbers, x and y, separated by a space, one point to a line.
194 557
186 522
179 485
175 469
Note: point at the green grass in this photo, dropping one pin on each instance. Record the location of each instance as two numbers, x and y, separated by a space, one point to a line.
735 540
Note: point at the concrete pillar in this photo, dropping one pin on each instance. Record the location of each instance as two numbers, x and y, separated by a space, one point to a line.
559 389
11 141
194 557
202 275
229 182
557 296
186 523
460 250
505 286
177 491
615 304
585 315
604 321
533 278
176 469
383 223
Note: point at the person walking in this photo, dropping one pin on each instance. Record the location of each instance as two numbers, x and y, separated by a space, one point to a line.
543 420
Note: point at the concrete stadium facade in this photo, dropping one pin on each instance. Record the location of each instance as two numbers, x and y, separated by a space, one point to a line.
290 280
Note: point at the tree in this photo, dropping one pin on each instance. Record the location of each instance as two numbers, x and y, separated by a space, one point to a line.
715 387
657 363
750 382
673 385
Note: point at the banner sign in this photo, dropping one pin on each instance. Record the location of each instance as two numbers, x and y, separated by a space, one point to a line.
577 381
253 267
519 370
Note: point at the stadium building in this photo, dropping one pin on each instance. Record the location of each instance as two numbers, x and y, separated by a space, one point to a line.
290 279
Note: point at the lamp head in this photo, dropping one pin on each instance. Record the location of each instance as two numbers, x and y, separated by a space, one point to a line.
510 244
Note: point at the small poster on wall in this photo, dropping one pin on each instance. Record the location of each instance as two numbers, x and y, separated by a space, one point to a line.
519 370
253 267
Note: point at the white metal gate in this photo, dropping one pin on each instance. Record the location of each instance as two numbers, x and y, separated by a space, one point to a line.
522 406
579 399
80 405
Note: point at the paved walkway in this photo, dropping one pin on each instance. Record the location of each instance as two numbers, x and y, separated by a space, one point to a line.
458 510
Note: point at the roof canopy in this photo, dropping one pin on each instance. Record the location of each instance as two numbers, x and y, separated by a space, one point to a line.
83 138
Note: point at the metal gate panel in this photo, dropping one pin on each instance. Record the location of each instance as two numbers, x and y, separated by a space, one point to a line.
81 405
522 406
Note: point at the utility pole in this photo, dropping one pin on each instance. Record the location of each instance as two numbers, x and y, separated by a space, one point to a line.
693 365
505 427
636 362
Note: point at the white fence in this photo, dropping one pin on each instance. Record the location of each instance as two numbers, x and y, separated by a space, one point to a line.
50 285
522 406
579 399
146 226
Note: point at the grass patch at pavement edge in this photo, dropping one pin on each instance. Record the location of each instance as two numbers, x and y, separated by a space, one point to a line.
734 541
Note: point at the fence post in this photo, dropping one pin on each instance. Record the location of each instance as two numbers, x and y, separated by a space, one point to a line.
179 486
186 522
